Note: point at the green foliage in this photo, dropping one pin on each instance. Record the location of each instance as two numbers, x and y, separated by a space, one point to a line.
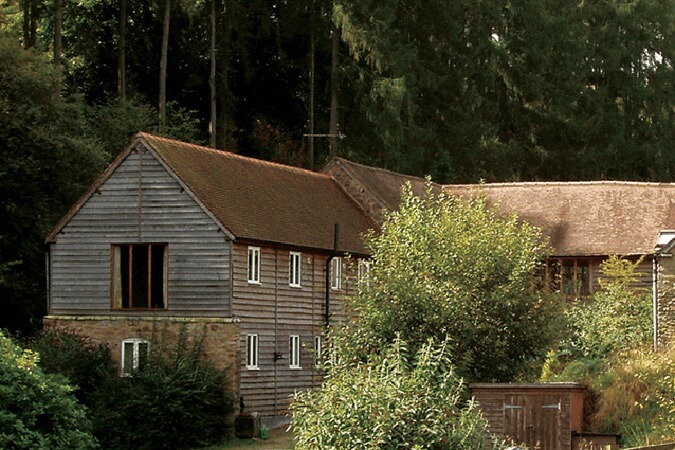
177 400
616 317
86 364
37 410
445 266
398 399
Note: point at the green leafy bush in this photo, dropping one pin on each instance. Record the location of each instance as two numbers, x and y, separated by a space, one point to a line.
616 317
37 410
452 267
85 363
177 400
398 399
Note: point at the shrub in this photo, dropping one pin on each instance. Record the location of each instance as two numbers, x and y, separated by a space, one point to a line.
85 363
398 399
37 410
616 317
177 400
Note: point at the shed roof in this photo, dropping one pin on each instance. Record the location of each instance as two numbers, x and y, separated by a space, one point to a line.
257 200
580 218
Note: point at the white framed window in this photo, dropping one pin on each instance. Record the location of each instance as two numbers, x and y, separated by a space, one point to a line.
252 352
294 352
254 265
364 271
317 350
336 273
295 269
134 354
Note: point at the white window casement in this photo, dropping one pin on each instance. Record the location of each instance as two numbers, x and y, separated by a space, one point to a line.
139 274
336 273
252 352
364 271
295 269
134 354
253 265
294 352
317 351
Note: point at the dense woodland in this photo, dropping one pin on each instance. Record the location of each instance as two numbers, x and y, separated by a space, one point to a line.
462 90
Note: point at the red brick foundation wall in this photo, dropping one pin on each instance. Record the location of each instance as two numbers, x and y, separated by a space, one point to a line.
220 344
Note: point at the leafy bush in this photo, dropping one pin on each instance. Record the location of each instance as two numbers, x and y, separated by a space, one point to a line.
468 273
177 400
37 410
616 317
398 399
85 363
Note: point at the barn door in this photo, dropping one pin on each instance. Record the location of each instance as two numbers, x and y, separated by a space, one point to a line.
533 420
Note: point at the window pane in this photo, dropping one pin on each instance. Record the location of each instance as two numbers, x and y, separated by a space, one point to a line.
128 354
139 275
157 277
125 276
143 348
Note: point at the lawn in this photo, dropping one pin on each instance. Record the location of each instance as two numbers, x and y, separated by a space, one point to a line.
279 439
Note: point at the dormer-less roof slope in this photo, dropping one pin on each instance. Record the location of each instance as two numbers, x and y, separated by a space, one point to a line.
257 200
588 218
580 218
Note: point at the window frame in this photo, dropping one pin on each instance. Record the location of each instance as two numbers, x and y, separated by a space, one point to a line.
295 269
336 273
121 284
253 265
253 351
135 355
294 350
363 272
318 349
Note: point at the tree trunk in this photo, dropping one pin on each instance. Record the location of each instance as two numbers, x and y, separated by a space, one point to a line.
121 55
222 90
312 61
333 93
34 16
58 21
163 65
25 6
212 77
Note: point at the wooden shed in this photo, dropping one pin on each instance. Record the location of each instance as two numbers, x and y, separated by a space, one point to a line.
540 416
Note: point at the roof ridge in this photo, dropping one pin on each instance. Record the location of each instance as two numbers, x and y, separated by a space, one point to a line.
383 170
149 136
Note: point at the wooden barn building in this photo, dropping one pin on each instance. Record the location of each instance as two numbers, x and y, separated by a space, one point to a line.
175 236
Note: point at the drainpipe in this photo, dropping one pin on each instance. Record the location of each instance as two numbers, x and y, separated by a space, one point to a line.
331 255
655 298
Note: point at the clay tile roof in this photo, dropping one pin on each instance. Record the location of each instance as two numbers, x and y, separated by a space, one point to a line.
580 218
588 218
263 201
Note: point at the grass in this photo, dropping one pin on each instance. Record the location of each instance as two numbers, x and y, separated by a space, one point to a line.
279 439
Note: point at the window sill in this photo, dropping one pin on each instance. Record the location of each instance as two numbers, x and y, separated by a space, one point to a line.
253 368
295 367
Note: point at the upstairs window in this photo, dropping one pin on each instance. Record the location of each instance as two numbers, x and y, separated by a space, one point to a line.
139 276
294 269
254 265
317 351
364 271
134 355
336 273
294 352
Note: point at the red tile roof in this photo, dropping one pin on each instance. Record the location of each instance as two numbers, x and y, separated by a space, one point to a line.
580 218
258 200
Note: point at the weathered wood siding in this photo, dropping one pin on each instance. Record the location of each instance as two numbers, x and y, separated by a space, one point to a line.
275 311
141 203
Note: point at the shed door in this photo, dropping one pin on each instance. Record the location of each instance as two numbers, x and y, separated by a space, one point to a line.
533 420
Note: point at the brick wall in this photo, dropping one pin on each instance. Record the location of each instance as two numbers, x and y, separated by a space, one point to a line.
220 344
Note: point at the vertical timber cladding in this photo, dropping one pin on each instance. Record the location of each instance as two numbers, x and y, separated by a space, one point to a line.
140 202
275 311
538 415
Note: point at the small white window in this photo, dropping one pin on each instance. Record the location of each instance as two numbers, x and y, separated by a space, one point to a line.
364 271
134 354
317 350
294 269
294 352
254 264
252 352
336 273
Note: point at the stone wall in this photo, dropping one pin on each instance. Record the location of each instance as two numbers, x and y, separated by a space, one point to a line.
220 344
